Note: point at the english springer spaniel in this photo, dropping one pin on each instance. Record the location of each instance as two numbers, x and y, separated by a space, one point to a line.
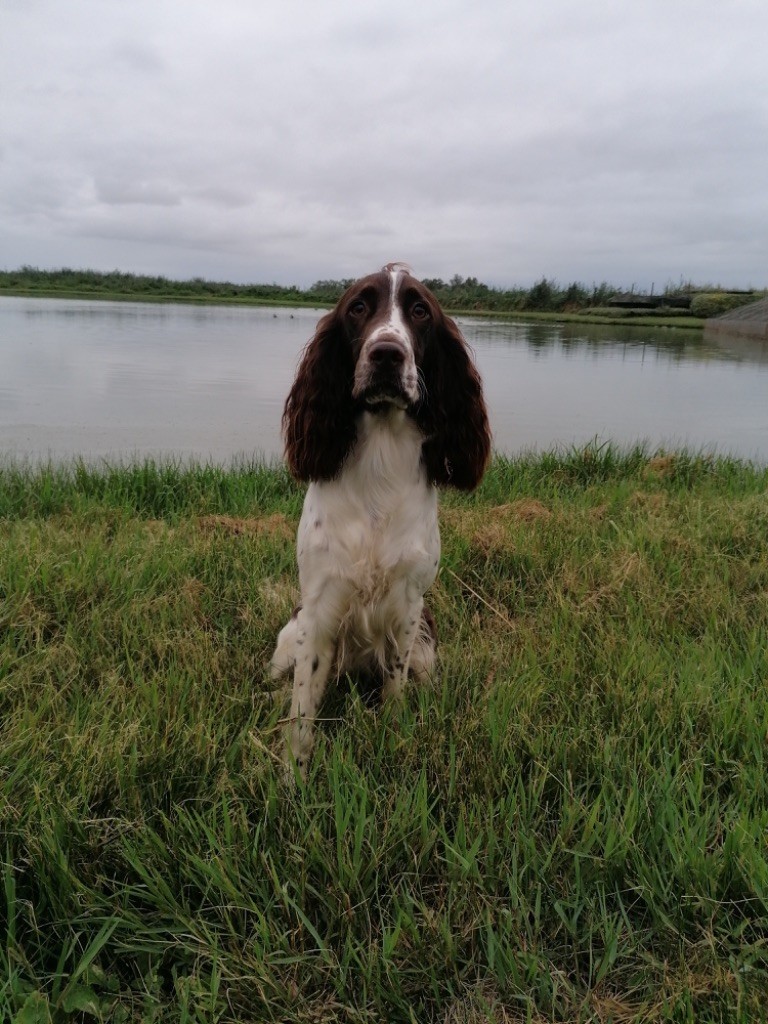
386 406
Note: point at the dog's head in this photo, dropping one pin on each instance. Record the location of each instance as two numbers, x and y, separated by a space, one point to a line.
387 344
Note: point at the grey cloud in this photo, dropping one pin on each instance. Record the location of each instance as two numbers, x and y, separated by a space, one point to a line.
137 55
136 192
229 198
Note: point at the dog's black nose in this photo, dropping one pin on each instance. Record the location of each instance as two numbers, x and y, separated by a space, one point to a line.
387 355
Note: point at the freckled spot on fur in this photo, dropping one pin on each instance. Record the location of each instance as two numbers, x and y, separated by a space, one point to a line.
315 664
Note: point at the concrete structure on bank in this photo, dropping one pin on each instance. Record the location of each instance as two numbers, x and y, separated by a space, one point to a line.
745 322
742 332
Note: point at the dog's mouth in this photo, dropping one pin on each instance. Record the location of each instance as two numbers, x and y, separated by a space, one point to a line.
386 394
384 390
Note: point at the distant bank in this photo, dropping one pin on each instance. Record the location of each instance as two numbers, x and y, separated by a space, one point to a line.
680 306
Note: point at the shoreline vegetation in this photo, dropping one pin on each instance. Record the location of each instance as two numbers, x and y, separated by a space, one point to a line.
569 824
683 305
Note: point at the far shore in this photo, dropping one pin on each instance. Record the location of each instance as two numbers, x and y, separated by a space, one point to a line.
628 318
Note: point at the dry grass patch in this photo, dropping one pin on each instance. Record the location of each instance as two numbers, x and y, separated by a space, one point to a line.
660 467
495 527
274 526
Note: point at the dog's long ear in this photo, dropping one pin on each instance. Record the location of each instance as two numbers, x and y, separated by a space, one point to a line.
452 414
318 418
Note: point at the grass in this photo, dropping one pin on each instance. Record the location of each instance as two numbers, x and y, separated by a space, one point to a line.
569 826
161 297
605 316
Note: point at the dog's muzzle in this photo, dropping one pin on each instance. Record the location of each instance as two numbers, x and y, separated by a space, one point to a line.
385 376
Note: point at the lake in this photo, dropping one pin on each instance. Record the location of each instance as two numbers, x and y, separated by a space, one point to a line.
121 380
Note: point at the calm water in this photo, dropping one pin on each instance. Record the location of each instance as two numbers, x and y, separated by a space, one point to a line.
119 380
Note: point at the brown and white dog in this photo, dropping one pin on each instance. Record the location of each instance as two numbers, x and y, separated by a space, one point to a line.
386 406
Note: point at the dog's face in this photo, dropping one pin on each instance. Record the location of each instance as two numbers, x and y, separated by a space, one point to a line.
388 318
386 345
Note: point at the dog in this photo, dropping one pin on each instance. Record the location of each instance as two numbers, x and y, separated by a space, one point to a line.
386 407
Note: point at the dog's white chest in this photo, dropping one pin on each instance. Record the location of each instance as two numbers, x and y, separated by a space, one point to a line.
369 548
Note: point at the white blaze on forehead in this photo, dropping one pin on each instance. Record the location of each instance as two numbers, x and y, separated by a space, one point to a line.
394 272
391 326
395 324
397 268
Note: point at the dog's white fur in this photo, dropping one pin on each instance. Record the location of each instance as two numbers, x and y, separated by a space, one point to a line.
368 549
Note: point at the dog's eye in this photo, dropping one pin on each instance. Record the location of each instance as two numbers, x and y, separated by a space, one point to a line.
419 311
357 308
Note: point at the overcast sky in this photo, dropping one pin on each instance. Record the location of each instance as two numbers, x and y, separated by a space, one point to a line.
295 140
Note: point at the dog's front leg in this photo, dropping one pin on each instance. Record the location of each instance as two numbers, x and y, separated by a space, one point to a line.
404 636
314 650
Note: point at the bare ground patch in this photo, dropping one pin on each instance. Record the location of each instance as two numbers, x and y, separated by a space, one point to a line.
275 525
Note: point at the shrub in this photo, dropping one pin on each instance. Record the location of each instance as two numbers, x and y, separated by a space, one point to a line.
714 303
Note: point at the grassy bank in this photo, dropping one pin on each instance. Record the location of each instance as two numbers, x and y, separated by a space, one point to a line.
630 318
605 316
569 825
161 298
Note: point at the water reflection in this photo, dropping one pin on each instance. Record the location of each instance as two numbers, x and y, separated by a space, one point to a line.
554 384
673 344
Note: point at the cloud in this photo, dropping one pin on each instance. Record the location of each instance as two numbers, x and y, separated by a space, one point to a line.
118 191
297 142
